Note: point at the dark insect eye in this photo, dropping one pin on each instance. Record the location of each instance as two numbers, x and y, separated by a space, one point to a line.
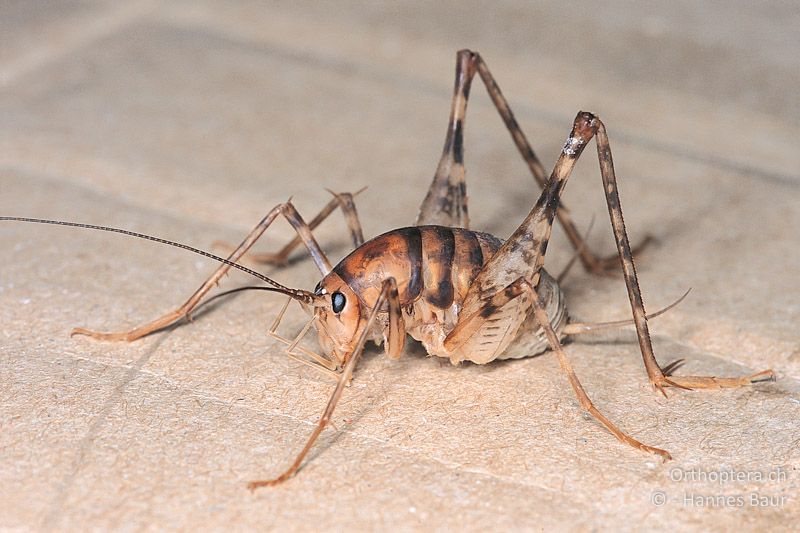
338 300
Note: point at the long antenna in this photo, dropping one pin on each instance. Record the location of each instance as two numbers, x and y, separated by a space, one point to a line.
297 294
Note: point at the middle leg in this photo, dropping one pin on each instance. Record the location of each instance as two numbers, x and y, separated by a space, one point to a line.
540 314
285 209
343 200
508 308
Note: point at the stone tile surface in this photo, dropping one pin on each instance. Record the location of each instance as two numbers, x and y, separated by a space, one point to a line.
190 120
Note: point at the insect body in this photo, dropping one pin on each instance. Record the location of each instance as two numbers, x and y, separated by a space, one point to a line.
433 267
465 295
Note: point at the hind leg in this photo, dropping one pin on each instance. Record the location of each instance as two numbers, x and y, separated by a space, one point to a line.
522 255
654 372
446 201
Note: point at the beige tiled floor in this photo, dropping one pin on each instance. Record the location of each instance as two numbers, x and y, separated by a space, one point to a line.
189 121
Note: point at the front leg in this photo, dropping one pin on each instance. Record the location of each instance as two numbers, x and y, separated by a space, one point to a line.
395 337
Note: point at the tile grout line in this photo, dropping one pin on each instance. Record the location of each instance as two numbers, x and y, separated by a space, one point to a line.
84 446
137 370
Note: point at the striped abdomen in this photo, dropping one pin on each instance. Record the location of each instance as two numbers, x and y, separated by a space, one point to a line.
434 263
434 267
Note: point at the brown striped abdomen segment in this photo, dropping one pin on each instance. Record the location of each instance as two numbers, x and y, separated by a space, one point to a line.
436 263
473 250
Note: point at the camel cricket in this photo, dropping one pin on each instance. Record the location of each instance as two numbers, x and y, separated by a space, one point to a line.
465 295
